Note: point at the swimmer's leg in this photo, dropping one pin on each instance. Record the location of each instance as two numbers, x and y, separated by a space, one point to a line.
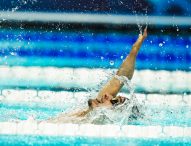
128 65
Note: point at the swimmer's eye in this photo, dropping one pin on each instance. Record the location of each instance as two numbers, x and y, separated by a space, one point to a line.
114 101
117 101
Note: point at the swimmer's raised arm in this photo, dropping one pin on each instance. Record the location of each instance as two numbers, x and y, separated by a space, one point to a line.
126 69
138 43
110 90
128 65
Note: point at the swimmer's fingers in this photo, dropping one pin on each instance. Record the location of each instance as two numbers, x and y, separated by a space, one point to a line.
145 28
145 32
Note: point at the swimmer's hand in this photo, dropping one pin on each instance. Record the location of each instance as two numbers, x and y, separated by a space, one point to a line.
143 35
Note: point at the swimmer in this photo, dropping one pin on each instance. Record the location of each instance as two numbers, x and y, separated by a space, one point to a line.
107 96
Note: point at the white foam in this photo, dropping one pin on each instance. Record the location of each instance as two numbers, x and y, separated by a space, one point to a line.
128 131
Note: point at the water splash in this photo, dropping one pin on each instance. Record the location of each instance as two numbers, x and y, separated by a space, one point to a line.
111 62
19 4
119 114
138 21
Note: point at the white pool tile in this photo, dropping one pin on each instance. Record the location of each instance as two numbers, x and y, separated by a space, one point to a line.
110 131
19 95
57 97
47 129
187 99
141 97
2 98
127 131
155 99
8 128
150 81
187 131
130 131
173 100
68 129
173 131
89 130
27 128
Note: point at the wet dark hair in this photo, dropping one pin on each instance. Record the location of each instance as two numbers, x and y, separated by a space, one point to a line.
90 102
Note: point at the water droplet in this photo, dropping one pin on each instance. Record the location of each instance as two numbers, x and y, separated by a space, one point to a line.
177 29
14 9
122 57
13 53
161 44
102 58
121 2
187 46
111 62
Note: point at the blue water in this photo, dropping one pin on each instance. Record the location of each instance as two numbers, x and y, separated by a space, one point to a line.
81 141
90 49
153 114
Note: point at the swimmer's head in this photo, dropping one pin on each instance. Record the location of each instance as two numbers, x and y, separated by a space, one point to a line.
107 100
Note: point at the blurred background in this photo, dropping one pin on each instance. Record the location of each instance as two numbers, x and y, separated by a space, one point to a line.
94 34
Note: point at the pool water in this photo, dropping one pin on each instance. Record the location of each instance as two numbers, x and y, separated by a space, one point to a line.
46 73
53 140
159 120
158 52
153 113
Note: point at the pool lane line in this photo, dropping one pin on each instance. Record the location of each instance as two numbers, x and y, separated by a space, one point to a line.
90 130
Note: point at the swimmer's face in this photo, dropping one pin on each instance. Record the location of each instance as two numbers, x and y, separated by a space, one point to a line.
107 100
